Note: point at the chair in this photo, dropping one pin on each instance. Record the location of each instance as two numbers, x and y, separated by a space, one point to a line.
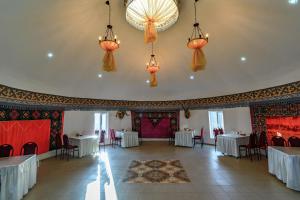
278 141
29 148
102 139
6 150
58 145
263 142
171 136
216 133
198 139
251 146
294 141
113 139
68 148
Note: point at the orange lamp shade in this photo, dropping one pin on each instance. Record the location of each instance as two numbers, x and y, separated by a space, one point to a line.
197 43
108 45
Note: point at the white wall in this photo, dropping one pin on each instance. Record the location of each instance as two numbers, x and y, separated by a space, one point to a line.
235 119
83 122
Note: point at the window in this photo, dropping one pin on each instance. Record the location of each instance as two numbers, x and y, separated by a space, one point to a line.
101 121
215 121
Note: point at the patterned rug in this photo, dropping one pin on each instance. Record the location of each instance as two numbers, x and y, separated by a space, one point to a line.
156 171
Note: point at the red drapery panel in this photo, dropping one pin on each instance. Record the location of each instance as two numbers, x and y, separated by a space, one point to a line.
159 130
284 126
17 133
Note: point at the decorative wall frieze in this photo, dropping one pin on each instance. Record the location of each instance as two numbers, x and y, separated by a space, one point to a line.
16 97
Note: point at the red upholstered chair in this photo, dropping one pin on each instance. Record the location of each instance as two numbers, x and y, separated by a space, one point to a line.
6 150
29 148
278 141
68 148
58 145
263 143
199 139
113 139
102 139
294 141
253 145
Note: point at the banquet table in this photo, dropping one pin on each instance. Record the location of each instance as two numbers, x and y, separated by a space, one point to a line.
229 143
87 144
184 138
17 176
129 138
284 163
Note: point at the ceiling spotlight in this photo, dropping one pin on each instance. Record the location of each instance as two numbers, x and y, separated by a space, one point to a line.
50 55
243 59
192 77
293 2
147 81
100 75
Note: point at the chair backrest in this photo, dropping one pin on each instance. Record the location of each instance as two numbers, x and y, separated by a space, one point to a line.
58 141
112 134
66 140
294 141
278 141
252 140
201 132
6 150
29 148
263 141
102 136
97 132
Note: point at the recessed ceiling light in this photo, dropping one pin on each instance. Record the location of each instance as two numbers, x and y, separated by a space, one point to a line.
243 59
192 77
293 2
50 55
147 81
100 75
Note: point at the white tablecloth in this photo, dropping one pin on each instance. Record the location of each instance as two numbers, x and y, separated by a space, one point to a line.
184 138
88 144
284 163
17 175
129 138
229 143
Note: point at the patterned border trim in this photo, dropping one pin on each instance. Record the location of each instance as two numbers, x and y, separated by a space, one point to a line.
13 96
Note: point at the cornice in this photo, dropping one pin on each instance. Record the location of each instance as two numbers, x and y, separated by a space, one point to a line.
16 97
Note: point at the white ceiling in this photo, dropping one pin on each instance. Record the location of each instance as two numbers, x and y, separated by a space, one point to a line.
266 32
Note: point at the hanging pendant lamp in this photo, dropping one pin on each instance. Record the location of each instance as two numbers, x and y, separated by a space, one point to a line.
152 67
196 42
109 44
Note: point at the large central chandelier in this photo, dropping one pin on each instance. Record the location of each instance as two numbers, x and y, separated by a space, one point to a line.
151 16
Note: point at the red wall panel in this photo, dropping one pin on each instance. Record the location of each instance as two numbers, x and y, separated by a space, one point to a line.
17 133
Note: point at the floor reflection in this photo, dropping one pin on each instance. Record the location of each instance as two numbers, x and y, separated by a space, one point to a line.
103 188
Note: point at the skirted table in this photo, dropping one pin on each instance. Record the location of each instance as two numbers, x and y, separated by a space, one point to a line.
18 175
184 138
88 144
229 143
129 138
284 163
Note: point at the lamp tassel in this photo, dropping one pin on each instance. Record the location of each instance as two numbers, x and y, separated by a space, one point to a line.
150 34
199 60
153 81
109 62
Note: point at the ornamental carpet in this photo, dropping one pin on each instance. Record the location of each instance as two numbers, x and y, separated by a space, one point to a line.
156 171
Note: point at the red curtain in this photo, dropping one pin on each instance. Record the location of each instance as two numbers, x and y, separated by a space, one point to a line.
161 129
284 126
17 133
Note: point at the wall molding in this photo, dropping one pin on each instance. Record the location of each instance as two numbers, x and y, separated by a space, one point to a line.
13 97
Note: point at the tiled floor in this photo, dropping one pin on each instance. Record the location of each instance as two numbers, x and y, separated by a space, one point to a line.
213 176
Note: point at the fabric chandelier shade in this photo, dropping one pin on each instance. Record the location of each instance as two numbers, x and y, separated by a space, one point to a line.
151 16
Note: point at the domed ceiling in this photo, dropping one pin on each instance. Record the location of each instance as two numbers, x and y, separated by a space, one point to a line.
265 33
